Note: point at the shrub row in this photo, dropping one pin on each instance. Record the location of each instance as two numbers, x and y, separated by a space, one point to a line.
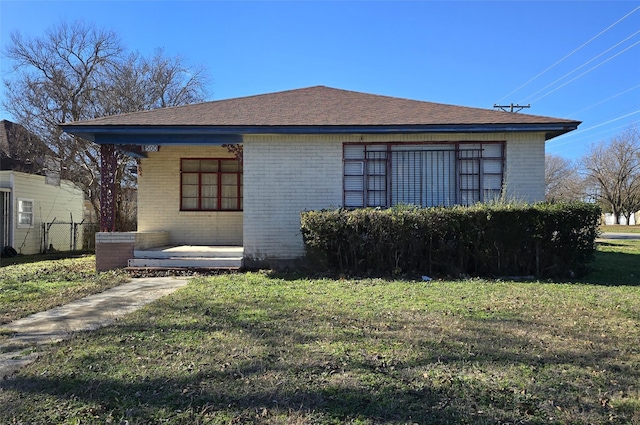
543 240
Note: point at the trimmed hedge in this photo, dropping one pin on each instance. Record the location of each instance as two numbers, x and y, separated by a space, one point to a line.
543 240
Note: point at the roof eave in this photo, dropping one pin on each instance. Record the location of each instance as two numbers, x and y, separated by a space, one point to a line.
159 134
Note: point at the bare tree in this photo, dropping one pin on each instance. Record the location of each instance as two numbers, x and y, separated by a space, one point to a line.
76 71
562 180
139 83
54 81
613 168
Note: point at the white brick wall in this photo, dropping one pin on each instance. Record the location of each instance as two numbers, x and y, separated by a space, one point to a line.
159 201
524 168
285 175
145 240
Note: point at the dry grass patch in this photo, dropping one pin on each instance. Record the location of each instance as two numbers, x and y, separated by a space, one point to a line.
29 287
618 228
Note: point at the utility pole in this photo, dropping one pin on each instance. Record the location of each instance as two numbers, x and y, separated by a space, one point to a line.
512 107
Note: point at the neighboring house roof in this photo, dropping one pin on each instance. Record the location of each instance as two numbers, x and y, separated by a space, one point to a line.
21 150
320 109
6 133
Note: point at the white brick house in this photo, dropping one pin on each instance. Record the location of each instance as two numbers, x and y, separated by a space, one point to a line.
314 148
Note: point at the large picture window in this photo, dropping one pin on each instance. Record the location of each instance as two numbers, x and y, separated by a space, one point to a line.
426 175
210 184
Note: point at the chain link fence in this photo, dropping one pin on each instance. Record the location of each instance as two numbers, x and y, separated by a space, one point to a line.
68 236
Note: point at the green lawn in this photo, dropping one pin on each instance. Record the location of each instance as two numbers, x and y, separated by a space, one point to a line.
616 228
28 286
276 349
617 263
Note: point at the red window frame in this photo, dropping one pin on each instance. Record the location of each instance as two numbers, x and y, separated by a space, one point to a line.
368 179
214 174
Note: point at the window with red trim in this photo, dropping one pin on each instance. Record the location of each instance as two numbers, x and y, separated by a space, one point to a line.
426 175
210 184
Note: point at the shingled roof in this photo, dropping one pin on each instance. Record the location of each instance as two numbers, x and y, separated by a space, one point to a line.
317 106
21 150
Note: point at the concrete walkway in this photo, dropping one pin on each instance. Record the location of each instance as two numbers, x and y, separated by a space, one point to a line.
35 332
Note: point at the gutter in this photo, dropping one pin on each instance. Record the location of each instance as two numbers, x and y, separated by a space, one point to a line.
157 135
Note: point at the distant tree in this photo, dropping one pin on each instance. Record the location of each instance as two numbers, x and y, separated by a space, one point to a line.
613 169
562 179
76 71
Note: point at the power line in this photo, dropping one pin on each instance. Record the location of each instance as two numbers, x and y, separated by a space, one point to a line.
583 65
610 121
602 101
586 72
566 142
583 45
595 126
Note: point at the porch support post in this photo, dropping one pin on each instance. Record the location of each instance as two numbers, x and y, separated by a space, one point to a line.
108 166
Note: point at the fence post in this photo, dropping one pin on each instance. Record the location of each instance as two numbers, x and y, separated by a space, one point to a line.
53 235
43 238
46 229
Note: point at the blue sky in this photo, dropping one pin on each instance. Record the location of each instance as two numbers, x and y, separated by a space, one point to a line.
568 59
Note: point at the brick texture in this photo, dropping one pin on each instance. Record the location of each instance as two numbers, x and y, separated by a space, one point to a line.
287 174
524 170
283 177
112 255
159 201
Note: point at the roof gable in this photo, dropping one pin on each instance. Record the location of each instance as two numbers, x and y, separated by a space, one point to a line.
318 106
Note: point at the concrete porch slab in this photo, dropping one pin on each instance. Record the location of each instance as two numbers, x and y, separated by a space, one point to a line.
190 251
189 256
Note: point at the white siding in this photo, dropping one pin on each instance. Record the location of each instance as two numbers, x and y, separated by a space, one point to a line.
62 203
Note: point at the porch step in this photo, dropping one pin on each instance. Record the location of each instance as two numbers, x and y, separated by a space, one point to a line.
186 262
188 256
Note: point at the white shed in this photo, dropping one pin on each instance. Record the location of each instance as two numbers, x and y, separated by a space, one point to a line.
29 202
